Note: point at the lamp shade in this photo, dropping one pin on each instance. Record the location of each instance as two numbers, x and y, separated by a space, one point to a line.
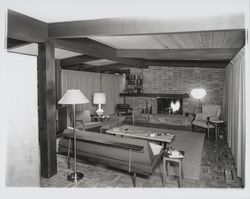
198 93
73 97
99 98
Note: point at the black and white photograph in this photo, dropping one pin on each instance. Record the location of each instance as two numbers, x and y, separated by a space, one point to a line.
124 99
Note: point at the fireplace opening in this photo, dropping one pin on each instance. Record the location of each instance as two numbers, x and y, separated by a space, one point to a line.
170 106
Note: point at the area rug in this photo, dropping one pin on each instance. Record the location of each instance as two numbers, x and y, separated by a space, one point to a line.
190 142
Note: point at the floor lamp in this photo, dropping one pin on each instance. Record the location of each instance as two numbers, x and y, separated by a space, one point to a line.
198 93
74 97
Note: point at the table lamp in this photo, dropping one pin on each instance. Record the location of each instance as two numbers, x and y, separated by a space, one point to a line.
74 97
99 98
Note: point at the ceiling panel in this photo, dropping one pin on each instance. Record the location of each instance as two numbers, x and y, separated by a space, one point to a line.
194 40
127 42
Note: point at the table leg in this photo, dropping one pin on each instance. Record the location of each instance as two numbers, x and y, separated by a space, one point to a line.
180 173
164 173
164 146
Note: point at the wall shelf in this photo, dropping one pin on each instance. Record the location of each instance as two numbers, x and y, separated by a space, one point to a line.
154 95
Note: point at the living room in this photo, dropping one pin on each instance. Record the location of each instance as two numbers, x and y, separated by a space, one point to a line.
163 76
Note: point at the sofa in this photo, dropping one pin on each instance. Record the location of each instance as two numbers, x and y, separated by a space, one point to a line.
137 156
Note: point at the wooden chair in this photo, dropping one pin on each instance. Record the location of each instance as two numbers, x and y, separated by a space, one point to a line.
125 110
209 112
85 121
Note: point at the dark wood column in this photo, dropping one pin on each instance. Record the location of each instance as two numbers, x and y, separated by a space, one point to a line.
58 80
47 108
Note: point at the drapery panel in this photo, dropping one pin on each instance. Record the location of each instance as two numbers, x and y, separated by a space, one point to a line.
89 83
234 109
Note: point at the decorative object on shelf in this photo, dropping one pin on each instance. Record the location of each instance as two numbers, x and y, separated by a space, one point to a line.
99 98
134 84
198 93
74 97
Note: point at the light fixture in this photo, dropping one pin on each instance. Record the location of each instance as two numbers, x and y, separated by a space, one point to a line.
74 97
198 93
99 98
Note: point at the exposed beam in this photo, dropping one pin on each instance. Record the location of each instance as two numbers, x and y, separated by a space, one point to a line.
109 67
187 63
139 25
179 54
13 43
95 49
102 69
77 60
120 71
25 28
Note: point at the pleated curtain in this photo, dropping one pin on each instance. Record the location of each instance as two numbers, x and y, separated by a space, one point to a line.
234 107
89 83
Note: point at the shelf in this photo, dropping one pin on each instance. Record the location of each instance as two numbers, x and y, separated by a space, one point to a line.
154 95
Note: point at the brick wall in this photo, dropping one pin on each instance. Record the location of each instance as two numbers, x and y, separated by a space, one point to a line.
179 80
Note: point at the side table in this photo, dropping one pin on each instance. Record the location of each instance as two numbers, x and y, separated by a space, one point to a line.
167 159
217 125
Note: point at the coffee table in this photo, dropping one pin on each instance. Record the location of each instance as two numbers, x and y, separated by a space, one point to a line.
142 133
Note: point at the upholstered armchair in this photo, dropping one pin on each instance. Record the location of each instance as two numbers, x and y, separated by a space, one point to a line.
209 112
125 110
84 120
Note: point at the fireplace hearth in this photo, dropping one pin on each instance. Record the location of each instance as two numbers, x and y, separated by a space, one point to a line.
170 106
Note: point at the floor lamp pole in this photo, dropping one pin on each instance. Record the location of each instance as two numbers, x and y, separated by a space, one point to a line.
76 176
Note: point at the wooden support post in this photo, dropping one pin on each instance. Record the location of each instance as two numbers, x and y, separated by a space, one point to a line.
47 109
58 80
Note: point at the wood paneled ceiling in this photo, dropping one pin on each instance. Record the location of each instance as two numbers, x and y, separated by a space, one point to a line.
194 40
118 43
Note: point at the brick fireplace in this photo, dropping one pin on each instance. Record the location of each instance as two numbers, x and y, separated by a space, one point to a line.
177 80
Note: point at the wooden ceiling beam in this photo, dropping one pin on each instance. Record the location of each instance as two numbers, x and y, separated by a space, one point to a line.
25 28
179 54
140 26
77 60
187 63
95 49
109 67
13 43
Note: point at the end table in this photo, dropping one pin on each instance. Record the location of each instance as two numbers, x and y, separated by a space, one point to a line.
217 125
166 159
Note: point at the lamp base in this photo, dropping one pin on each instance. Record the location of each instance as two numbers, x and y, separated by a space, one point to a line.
74 177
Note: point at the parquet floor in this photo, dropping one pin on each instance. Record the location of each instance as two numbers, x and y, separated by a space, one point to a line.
217 171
